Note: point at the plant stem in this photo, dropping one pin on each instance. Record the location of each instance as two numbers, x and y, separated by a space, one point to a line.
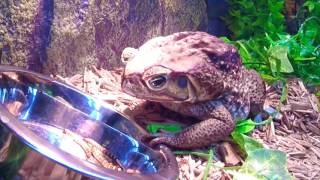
209 163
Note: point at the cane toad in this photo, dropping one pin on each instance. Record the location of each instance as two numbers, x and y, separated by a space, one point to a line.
198 75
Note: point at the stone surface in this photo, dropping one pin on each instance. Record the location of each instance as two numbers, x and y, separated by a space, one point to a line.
64 37
216 10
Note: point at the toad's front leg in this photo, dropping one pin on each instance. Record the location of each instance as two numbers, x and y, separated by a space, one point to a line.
214 127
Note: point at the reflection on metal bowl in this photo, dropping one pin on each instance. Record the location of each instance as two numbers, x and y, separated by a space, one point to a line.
46 126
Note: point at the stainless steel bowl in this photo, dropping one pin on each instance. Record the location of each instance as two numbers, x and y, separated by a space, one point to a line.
35 111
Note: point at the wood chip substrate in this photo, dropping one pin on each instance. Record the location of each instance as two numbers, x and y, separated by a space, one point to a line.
295 130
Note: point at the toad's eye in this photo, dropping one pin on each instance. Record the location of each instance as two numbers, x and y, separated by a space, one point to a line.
158 81
182 82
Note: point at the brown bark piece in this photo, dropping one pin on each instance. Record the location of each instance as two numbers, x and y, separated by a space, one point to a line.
229 154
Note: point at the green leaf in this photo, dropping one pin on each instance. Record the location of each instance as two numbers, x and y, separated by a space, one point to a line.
310 5
225 39
241 176
268 78
246 143
154 127
201 154
209 164
279 57
309 34
245 126
244 53
264 164
265 45
254 18
305 58
284 93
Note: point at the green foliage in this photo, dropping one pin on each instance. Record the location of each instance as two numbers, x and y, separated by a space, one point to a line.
209 164
247 125
284 93
265 46
313 7
279 61
246 143
254 18
202 154
263 164
155 127
310 8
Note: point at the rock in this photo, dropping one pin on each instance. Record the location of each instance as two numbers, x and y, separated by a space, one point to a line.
64 37
16 27
216 10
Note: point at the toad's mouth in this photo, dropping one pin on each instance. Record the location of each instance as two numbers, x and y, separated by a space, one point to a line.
157 98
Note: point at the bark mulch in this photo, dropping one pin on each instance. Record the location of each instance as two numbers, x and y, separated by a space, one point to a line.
296 129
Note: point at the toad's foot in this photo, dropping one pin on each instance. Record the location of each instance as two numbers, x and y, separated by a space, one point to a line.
204 133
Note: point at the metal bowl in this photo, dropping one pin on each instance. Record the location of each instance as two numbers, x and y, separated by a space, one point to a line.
36 111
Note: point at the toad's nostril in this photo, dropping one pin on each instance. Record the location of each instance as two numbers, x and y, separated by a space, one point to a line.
131 81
